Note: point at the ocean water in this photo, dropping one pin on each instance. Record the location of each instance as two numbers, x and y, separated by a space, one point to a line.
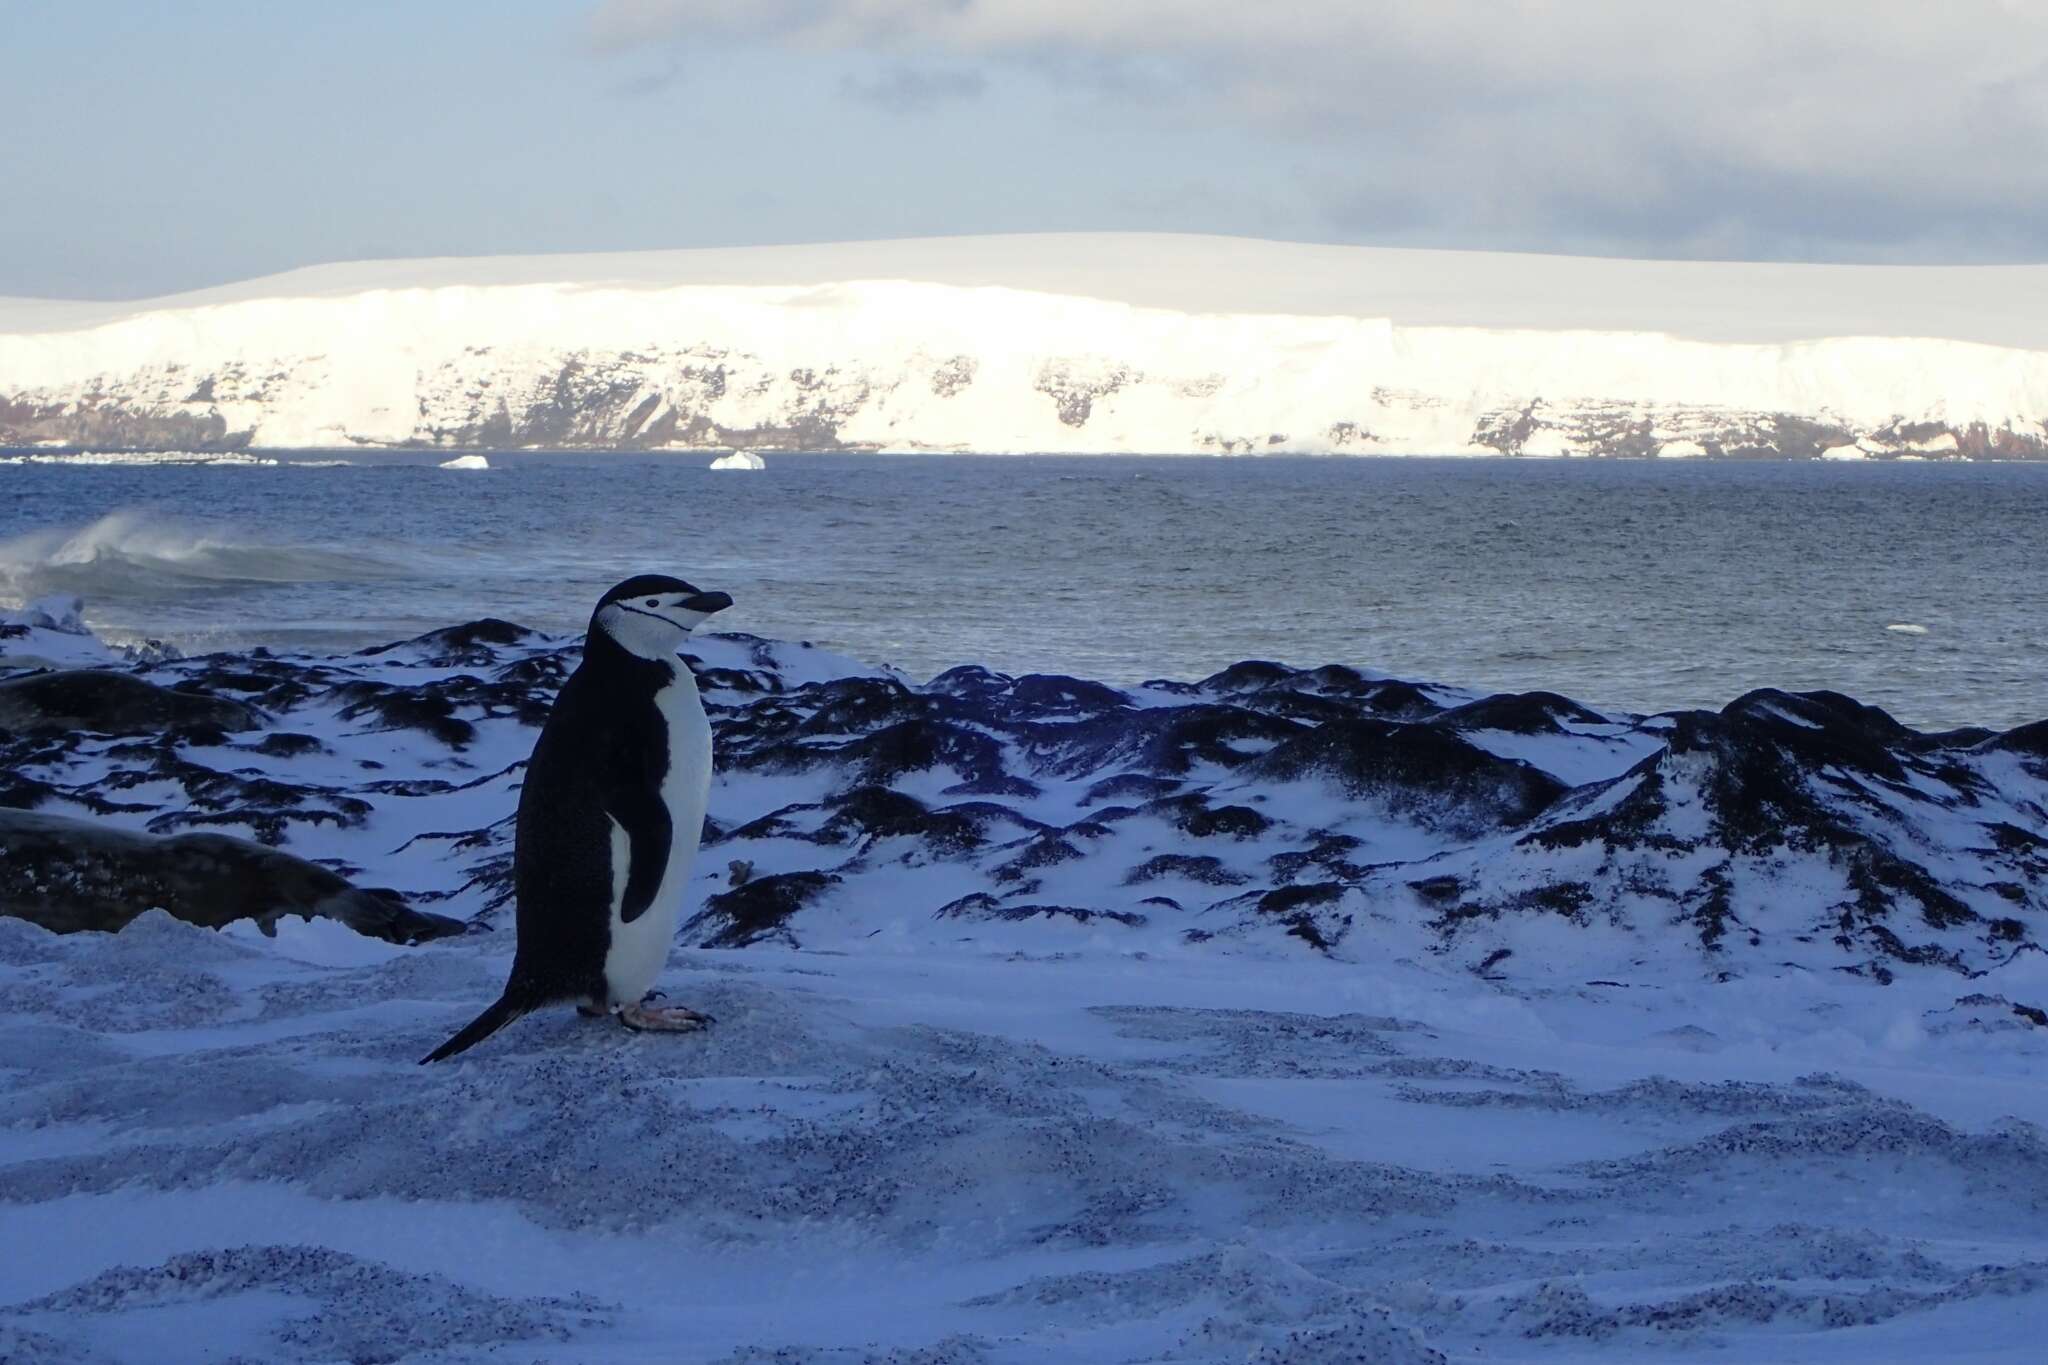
1649 585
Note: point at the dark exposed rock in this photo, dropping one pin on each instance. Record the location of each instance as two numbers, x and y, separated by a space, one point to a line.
470 645
879 813
1160 741
981 905
286 744
756 910
1054 692
1047 850
1005 779
1419 772
1193 815
1520 713
71 875
1193 866
406 708
110 703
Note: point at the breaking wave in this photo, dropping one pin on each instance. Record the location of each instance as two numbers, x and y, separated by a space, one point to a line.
139 555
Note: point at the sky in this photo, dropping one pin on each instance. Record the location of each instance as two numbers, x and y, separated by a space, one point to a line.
149 148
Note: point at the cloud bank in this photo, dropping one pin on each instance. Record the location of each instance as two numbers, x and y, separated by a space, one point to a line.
1859 129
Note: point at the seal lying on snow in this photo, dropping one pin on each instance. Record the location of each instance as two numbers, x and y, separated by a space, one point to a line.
71 875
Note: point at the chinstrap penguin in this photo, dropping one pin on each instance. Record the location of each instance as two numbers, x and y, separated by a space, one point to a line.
609 818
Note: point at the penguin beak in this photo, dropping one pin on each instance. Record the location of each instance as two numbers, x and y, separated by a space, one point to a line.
707 602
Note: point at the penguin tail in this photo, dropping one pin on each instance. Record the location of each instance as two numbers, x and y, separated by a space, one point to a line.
509 1006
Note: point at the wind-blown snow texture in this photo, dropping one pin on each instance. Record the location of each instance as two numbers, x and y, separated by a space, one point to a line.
1059 343
1288 1016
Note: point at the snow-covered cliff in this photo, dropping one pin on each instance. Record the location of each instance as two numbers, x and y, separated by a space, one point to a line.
1116 342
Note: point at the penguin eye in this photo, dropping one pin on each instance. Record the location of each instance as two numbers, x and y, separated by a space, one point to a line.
654 601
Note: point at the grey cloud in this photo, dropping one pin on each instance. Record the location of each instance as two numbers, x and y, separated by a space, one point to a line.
1858 127
911 89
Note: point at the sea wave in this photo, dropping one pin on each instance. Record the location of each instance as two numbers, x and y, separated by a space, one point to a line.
137 554
142 457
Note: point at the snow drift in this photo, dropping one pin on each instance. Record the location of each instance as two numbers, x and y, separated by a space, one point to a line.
1289 1016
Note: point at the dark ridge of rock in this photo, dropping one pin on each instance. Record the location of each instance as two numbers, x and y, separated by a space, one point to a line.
981 905
1326 854
265 804
1568 899
1821 728
105 702
776 824
1519 713
1311 708
1247 675
1283 899
18 792
2028 741
406 708
1161 740
538 670
742 680
1192 866
756 910
1333 680
1047 850
1056 692
864 705
1420 772
1195 816
286 744
971 682
1295 907
1303 912
916 746
474 644
1393 700
875 812
1000 785
1143 786
72 875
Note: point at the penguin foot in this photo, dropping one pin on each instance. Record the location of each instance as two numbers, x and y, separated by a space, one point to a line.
645 1018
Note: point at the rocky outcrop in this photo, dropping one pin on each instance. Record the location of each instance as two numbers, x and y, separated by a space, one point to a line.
1325 808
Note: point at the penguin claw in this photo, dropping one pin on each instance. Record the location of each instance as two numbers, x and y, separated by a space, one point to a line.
645 1018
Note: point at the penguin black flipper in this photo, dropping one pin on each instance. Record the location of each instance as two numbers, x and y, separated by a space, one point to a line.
641 813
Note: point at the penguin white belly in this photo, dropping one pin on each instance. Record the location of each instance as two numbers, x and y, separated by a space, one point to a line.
639 950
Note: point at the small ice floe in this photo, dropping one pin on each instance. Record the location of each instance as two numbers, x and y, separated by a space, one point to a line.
1906 628
466 462
739 459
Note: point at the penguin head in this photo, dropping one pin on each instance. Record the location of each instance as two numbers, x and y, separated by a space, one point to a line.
652 614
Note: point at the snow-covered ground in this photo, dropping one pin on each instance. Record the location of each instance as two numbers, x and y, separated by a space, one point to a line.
1289 1017
1057 343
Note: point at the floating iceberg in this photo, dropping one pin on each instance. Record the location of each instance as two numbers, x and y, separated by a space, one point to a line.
739 459
466 462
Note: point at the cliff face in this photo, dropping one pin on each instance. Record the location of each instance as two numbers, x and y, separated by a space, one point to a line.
897 364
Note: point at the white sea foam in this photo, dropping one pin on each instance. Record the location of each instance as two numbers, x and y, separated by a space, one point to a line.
133 553
1906 628
225 458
